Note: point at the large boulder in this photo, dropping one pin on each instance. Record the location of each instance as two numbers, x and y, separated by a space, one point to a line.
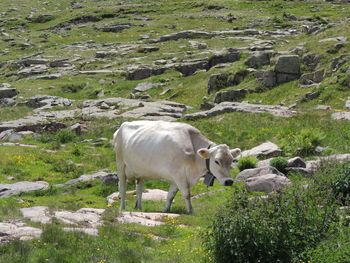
230 95
310 78
287 68
266 77
226 79
8 93
7 190
258 60
267 183
254 172
296 162
264 150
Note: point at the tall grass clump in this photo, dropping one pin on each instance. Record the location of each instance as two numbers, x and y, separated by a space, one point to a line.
248 162
277 229
65 136
280 163
303 143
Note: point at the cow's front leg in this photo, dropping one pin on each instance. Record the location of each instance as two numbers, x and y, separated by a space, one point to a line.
170 197
186 194
139 190
122 186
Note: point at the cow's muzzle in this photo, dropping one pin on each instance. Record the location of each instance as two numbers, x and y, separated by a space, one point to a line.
228 182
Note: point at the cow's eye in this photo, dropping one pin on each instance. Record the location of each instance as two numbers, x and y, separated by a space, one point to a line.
217 162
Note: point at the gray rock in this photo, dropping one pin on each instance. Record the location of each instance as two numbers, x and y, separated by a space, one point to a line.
244 175
288 64
187 34
258 60
300 170
38 214
8 93
222 80
145 219
143 72
104 54
283 78
78 128
147 49
296 162
17 230
7 190
227 107
38 69
311 95
267 183
144 86
347 105
89 231
47 102
230 95
111 178
7 102
15 136
267 78
189 67
34 61
310 78
264 150
341 116
312 60
115 27
84 178
91 217
223 57
206 106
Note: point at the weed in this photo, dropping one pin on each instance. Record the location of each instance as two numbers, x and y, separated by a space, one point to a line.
247 163
280 163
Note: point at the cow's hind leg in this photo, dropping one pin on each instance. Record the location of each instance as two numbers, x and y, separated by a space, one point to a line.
170 197
186 194
122 185
139 190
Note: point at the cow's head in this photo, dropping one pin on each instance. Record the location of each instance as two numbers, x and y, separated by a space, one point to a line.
220 160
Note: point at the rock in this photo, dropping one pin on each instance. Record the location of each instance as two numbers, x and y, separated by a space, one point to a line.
223 57
144 86
296 162
206 106
88 231
111 178
300 170
63 62
39 214
17 230
222 80
267 183
78 128
288 65
34 61
47 102
264 150
187 34
267 78
147 49
312 60
244 175
311 95
38 69
145 219
7 190
227 107
264 163
12 136
310 78
347 105
8 93
112 197
104 54
341 116
138 73
339 61
257 60
230 95
283 78
189 67
323 107
92 217
7 102
115 27
154 195
85 177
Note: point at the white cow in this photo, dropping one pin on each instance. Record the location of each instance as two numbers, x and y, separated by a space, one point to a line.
175 152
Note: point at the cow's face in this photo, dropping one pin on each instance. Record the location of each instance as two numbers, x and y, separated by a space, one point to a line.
220 160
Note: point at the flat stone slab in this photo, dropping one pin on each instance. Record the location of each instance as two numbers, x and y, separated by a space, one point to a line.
245 175
148 194
227 107
145 219
267 183
7 190
341 116
17 229
265 150
92 217
39 214
84 178
88 231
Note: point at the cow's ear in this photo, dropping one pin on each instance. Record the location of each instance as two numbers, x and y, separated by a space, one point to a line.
235 152
204 153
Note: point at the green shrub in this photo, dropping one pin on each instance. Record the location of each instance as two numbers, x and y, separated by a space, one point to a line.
279 228
335 249
72 88
280 163
65 135
247 163
303 143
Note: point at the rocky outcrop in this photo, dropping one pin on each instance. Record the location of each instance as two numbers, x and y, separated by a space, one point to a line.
43 102
264 150
287 68
310 78
226 79
101 175
145 219
227 107
258 60
8 93
17 230
38 69
148 194
267 78
7 190
230 95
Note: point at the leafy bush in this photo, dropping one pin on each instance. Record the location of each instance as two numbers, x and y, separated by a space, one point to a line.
247 163
277 229
335 249
280 163
65 135
303 143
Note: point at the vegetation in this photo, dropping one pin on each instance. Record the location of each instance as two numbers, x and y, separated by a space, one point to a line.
280 163
248 162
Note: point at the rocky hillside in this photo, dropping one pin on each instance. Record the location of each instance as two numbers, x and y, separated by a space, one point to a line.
258 75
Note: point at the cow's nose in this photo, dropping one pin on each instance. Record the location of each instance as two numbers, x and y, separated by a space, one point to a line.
228 182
